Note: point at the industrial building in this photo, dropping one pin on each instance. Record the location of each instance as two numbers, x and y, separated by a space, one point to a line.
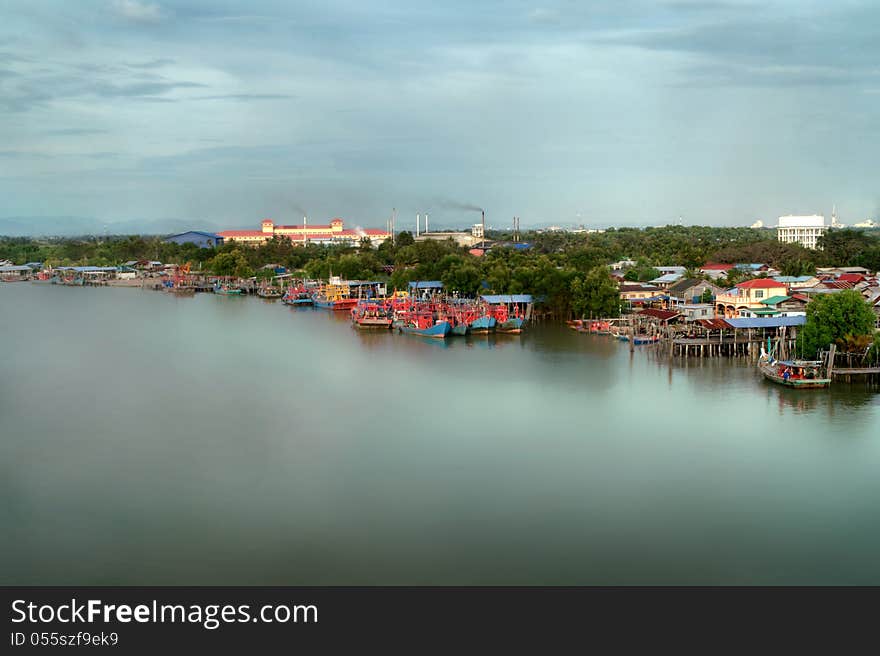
333 233
200 239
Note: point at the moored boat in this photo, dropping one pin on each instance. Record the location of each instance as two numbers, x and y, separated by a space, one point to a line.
226 289
799 374
371 314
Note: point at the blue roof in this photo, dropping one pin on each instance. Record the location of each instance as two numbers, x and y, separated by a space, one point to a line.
766 322
10 268
86 269
790 279
425 284
507 298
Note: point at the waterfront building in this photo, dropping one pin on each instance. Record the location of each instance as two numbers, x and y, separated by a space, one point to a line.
748 296
197 237
12 272
333 233
696 311
638 293
804 230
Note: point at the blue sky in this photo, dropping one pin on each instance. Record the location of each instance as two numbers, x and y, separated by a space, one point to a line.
219 113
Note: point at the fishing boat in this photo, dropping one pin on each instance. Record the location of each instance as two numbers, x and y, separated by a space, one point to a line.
335 296
510 311
298 296
645 339
269 292
422 323
370 314
226 289
482 324
799 374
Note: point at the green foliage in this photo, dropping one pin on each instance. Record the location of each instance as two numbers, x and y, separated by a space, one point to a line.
849 247
560 268
835 319
595 295
707 296
642 273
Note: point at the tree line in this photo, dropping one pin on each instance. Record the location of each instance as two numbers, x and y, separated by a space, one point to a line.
567 271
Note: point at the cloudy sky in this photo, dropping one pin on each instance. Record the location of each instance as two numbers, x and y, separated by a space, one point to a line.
218 113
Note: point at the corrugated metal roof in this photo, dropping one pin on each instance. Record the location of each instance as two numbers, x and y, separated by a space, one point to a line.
668 277
425 284
663 315
765 322
773 300
507 298
11 268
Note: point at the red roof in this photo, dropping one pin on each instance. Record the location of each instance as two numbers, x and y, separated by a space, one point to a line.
663 315
837 284
714 324
242 233
760 283
717 267
801 297
851 277
327 228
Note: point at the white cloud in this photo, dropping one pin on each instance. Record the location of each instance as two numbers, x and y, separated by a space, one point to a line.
139 12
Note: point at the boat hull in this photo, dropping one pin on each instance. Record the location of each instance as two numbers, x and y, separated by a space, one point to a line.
483 325
438 331
373 323
513 325
770 374
297 301
340 305
459 329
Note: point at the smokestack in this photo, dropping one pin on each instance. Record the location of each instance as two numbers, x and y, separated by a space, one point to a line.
426 222
418 223
483 221
305 221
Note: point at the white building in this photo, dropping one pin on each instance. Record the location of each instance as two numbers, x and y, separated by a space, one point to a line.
804 230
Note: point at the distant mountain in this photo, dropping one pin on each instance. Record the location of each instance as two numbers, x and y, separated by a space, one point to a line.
66 226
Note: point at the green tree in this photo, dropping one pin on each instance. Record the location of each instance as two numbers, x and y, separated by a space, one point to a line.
596 294
707 296
404 238
835 319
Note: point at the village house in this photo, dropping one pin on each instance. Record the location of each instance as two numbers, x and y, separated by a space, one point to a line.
636 293
666 280
696 311
690 290
748 296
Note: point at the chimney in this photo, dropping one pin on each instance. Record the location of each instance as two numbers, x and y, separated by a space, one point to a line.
418 223
483 221
305 221
426 222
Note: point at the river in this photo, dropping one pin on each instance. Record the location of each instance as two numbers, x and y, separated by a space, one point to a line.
150 439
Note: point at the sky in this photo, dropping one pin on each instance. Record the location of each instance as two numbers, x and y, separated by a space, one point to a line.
216 114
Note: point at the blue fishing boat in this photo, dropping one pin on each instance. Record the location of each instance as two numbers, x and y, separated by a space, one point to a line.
298 296
484 324
511 325
459 329
421 322
226 289
439 330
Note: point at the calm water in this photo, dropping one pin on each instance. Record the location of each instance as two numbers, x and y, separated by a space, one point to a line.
147 439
